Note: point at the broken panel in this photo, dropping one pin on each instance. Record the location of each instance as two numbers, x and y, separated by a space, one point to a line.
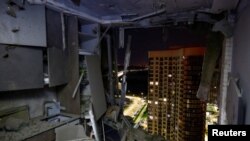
72 105
21 68
22 25
57 54
96 85
89 38
234 108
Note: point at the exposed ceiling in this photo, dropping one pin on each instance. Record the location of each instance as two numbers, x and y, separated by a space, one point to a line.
121 7
109 9
105 11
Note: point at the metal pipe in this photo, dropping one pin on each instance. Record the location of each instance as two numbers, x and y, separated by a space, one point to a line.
77 86
110 64
158 12
103 131
63 31
116 70
94 126
126 64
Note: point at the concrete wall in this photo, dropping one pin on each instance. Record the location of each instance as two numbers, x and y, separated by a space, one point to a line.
33 98
241 56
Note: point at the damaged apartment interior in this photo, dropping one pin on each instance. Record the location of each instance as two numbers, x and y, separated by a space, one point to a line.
65 64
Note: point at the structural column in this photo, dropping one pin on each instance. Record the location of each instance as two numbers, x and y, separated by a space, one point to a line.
224 80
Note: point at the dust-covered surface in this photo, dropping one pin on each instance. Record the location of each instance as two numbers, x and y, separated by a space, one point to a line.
140 135
34 127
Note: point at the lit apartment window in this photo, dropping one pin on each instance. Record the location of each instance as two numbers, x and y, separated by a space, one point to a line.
149 101
156 83
151 83
156 102
164 99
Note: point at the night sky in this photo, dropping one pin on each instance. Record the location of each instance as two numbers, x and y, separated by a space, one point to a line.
160 38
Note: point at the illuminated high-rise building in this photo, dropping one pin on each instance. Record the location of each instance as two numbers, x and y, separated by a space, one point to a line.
173 109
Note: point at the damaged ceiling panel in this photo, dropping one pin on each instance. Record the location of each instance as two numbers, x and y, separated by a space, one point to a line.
222 5
109 8
119 7
126 11
180 5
